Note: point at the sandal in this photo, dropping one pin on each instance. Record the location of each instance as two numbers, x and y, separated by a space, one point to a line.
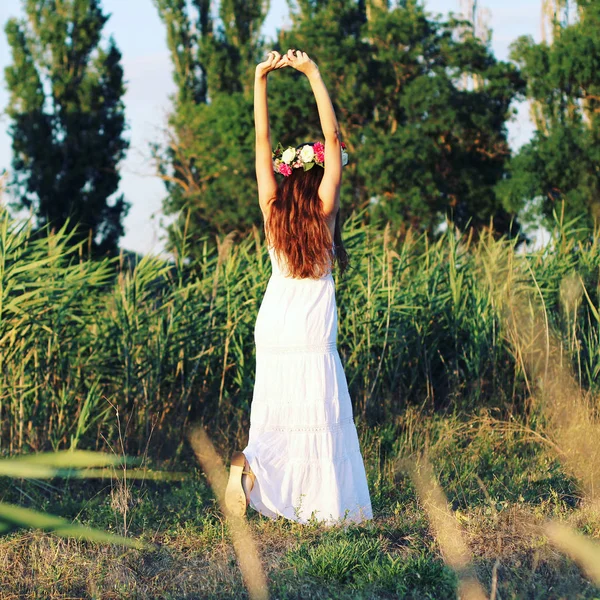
237 496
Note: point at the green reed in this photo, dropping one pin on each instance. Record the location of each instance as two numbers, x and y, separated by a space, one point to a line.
96 352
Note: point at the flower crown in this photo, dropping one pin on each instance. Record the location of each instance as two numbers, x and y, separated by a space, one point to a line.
305 156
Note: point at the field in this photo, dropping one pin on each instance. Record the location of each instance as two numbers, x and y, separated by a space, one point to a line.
473 368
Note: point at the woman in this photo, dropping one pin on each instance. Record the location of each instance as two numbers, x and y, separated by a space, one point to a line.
303 457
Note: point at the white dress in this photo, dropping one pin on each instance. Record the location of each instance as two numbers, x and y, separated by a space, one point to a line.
303 445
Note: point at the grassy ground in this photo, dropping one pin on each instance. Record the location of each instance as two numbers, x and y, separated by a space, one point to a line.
501 481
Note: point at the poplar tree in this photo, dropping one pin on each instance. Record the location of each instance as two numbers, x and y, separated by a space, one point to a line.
67 119
208 162
557 170
423 147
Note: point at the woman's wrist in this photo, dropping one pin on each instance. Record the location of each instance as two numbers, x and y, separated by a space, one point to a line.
314 73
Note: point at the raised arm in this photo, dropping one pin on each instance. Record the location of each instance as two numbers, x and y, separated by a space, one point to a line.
265 178
329 190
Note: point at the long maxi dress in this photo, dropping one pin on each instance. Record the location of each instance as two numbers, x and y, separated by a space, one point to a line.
303 445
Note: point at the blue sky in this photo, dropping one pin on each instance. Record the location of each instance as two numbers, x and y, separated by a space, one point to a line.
141 38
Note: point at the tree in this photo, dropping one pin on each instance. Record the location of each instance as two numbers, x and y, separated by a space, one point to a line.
559 166
68 119
423 147
208 162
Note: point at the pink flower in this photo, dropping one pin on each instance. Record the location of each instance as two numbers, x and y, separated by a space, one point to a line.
319 155
285 169
318 147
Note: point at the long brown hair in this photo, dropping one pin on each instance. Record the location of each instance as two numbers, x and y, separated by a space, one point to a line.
296 226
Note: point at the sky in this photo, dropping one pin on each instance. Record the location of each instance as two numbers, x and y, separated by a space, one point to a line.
141 37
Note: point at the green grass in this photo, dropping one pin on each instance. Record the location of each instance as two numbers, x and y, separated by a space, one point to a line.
393 556
98 355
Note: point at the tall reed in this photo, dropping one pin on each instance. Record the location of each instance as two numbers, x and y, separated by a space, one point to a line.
161 344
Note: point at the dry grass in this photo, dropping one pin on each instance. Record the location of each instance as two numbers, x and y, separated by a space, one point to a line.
36 565
505 549
244 545
447 531
512 511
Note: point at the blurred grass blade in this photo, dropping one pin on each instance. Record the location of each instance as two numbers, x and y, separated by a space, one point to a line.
80 464
243 542
20 517
132 474
72 459
580 548
447 531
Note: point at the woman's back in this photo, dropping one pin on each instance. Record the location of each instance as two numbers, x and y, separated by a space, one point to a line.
303 448
280 267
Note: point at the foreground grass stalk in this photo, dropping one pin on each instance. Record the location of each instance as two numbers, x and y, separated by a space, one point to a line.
243 542
447 531
577 546
12 517
568 410
67 464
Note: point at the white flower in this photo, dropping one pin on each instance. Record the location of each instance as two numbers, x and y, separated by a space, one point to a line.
307 154
289 155
344 158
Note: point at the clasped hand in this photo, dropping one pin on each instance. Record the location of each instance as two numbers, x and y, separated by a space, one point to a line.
292 58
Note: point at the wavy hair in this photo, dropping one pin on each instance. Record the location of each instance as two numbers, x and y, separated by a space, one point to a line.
297 230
